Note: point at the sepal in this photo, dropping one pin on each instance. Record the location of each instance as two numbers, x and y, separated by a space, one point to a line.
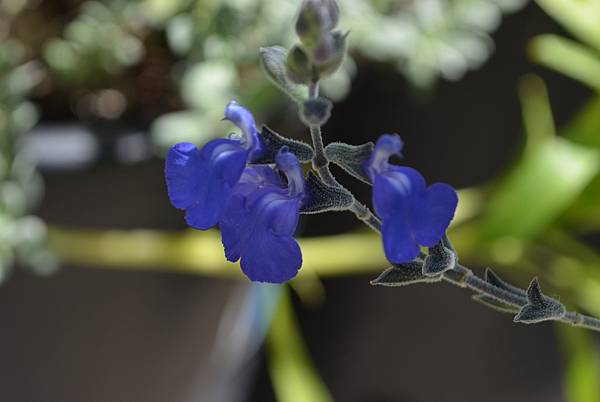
314 19
323 198
540 307
316 111
493 278
404 274
274 62
298 66
273 142
351 158
330 54
439 260
495 304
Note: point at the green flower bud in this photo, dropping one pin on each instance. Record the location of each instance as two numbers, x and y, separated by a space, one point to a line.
328 57
315 18
298 66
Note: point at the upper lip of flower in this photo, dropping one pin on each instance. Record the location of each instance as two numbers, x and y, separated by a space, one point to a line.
288 163
387 145
243 119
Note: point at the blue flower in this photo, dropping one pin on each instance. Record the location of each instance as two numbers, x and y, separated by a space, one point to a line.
259 222
200 181
412 214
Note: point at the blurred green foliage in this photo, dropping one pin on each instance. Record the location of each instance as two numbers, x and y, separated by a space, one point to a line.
423 39
579 59
214 44
22 236
101 42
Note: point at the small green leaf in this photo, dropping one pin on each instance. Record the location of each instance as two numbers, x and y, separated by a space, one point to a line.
567 57
273 142
293 374
350 158
582 371
405 274
439 260
324 198
274 60
581 18
494 279
540 308
585 126
494 304
539 188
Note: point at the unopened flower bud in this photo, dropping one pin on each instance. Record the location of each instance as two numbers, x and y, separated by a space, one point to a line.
315 18
328 57
298 66
315 111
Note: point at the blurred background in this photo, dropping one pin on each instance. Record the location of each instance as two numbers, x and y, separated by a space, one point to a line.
106 296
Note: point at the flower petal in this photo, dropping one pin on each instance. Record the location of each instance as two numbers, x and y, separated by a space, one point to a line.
258 227
398 241
433 214
271 254
396 189
289 164
271 258
237 220
235 225
200 181
206 213
241 117
226 160
183 169
386 146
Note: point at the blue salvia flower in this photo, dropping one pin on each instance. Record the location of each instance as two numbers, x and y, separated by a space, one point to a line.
200 181
259 222
412 214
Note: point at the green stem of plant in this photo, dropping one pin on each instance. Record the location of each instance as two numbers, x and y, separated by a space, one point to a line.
459 275
320 164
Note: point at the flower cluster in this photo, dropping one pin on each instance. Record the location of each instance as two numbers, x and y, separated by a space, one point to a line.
257 206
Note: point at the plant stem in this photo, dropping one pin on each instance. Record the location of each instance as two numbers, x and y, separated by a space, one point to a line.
320 164
459 275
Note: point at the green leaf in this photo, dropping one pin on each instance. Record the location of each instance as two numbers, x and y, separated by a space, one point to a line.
495 304
350 158
582 372
325 198
540 187
539 307
585 126
293 375
567 57
581 18
404 274
550 176
274 61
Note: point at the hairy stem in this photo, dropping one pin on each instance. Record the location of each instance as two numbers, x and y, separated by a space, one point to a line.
459 275
320 164
483 287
